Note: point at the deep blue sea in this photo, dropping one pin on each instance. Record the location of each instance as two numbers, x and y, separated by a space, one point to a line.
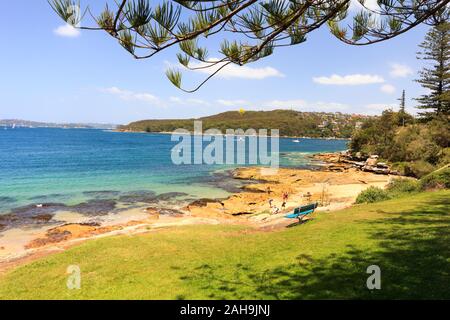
73 166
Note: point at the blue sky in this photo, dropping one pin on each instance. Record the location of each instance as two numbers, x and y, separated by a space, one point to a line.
50 74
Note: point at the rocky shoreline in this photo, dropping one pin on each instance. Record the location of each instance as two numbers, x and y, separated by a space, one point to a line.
43 213
332 189
344 161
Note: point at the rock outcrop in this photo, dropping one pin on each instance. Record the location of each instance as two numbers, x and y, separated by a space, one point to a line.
344 161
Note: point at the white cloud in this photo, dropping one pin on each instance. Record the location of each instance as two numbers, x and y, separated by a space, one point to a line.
197 102
400 70
190 101
67 31
232 103
387 88
370 6
235 71
377 108
349 80
176 99
246 72
134 96
302 105
218 105
355 5
148 98
285 104
329 106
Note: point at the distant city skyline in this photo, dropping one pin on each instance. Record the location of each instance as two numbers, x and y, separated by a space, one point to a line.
53 73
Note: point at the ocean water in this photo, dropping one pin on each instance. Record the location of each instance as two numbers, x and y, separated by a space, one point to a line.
73 166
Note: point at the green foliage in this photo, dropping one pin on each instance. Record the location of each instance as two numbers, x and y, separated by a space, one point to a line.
419 168
415 143
415 149
401 186
138 13
175 77
376 135
248 30
166 15
67 10
106 20
403 118
439 131
126 40
371 195
414 168
439 179
435 77
444 157
290 123
400 167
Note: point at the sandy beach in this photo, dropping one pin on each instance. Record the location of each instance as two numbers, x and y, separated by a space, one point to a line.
332 190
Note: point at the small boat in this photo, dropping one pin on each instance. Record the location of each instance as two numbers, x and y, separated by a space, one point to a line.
13 126
296 141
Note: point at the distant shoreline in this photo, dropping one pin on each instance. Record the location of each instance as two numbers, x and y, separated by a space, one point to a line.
6 127
192 133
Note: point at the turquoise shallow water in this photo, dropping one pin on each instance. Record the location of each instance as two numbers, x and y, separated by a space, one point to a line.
70 166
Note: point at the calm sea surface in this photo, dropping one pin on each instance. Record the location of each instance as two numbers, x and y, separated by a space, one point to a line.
73 166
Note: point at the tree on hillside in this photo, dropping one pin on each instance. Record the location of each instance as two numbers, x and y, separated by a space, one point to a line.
402 101
402 111
402 116
250 29
376 135
436 77
414 149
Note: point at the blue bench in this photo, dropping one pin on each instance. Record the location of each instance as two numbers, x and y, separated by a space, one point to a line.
301 212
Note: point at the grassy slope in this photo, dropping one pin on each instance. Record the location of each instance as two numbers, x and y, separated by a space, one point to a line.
409 238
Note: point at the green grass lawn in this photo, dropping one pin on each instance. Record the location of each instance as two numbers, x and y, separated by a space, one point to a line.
408 238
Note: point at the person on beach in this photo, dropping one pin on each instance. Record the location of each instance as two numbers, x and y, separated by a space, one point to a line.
308 196
275 210
270 203
269 191
285 198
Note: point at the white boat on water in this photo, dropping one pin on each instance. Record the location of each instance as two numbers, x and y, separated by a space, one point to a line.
296 141
13 126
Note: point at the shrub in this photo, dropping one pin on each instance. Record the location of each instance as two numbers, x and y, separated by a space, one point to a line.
372 194
402 185
418 169
415 149
444 157
415 169
439 179
400 167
